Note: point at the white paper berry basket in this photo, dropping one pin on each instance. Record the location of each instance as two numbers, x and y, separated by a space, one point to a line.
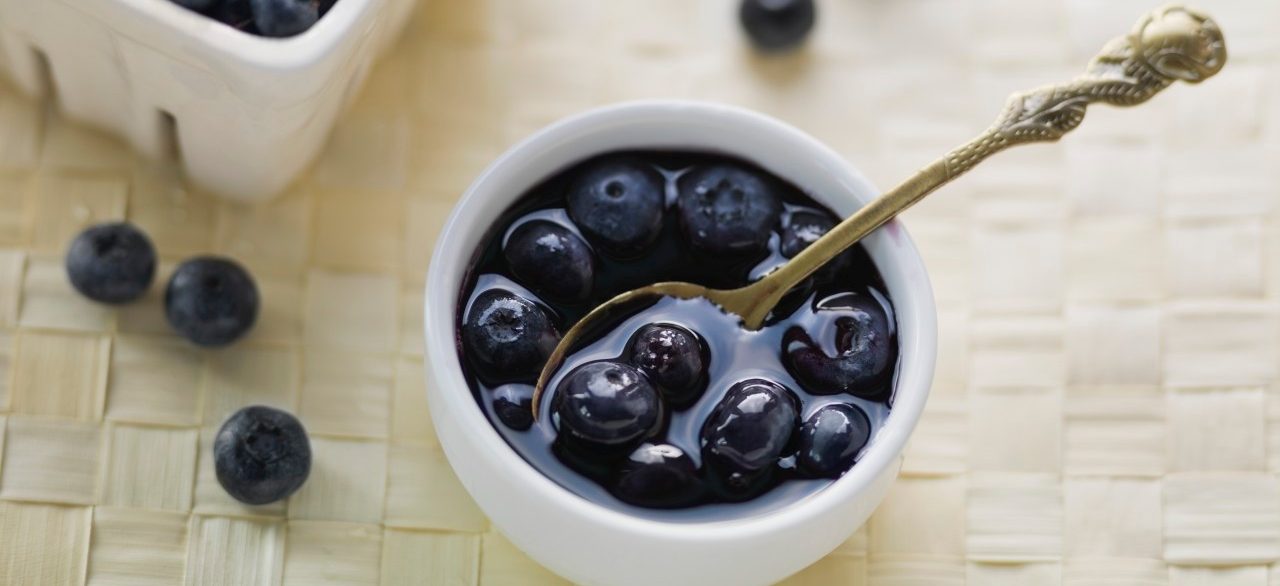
245 113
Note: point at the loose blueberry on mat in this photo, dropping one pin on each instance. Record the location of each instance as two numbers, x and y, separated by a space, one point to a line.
674 358
509 337
747 433
261 455
864 345
111 263
805 228
727 209
512 404
211 301
551 260
658 476
777 25
830 439
284 18
607 406
618 204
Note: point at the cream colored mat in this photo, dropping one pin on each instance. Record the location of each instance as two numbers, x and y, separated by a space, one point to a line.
1104 412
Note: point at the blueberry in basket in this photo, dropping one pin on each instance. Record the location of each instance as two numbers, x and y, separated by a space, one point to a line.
674 405
268 18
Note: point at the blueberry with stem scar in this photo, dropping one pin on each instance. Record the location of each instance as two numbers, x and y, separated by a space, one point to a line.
111 263
727 209
261 455
618 204
507 336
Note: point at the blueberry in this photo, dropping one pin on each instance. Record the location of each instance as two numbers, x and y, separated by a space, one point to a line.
261 455
507 336
111 263
512 404
777 25
618 204
864 345
607 406
551 260
284 18
728 210
658 476
674 358
237 14
212 301
197 5
746 434
805 228
830 439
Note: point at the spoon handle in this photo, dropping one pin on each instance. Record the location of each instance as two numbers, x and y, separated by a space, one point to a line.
1172 43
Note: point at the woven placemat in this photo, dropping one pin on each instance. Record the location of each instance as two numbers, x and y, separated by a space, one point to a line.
1104 411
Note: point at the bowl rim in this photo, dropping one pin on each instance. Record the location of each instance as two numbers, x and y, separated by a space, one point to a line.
442 360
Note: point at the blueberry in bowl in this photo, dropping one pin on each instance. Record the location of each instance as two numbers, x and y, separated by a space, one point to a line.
673 424
673 358
679 376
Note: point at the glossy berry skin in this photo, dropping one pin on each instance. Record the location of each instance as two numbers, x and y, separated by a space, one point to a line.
607 406
728 210
777 25
111 263
659 476
507 336
284 18
746 434
618 204
865 349
211 301
830 440
261 455
673 358
550 260
512 404
804 229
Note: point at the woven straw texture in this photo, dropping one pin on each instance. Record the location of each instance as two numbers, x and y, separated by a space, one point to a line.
1105 410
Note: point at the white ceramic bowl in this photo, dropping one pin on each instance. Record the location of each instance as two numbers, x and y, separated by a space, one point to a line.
591 544
248 113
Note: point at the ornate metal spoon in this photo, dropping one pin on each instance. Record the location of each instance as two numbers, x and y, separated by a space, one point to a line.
1170 44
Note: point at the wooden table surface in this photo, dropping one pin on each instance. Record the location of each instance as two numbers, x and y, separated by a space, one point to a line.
1105 409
